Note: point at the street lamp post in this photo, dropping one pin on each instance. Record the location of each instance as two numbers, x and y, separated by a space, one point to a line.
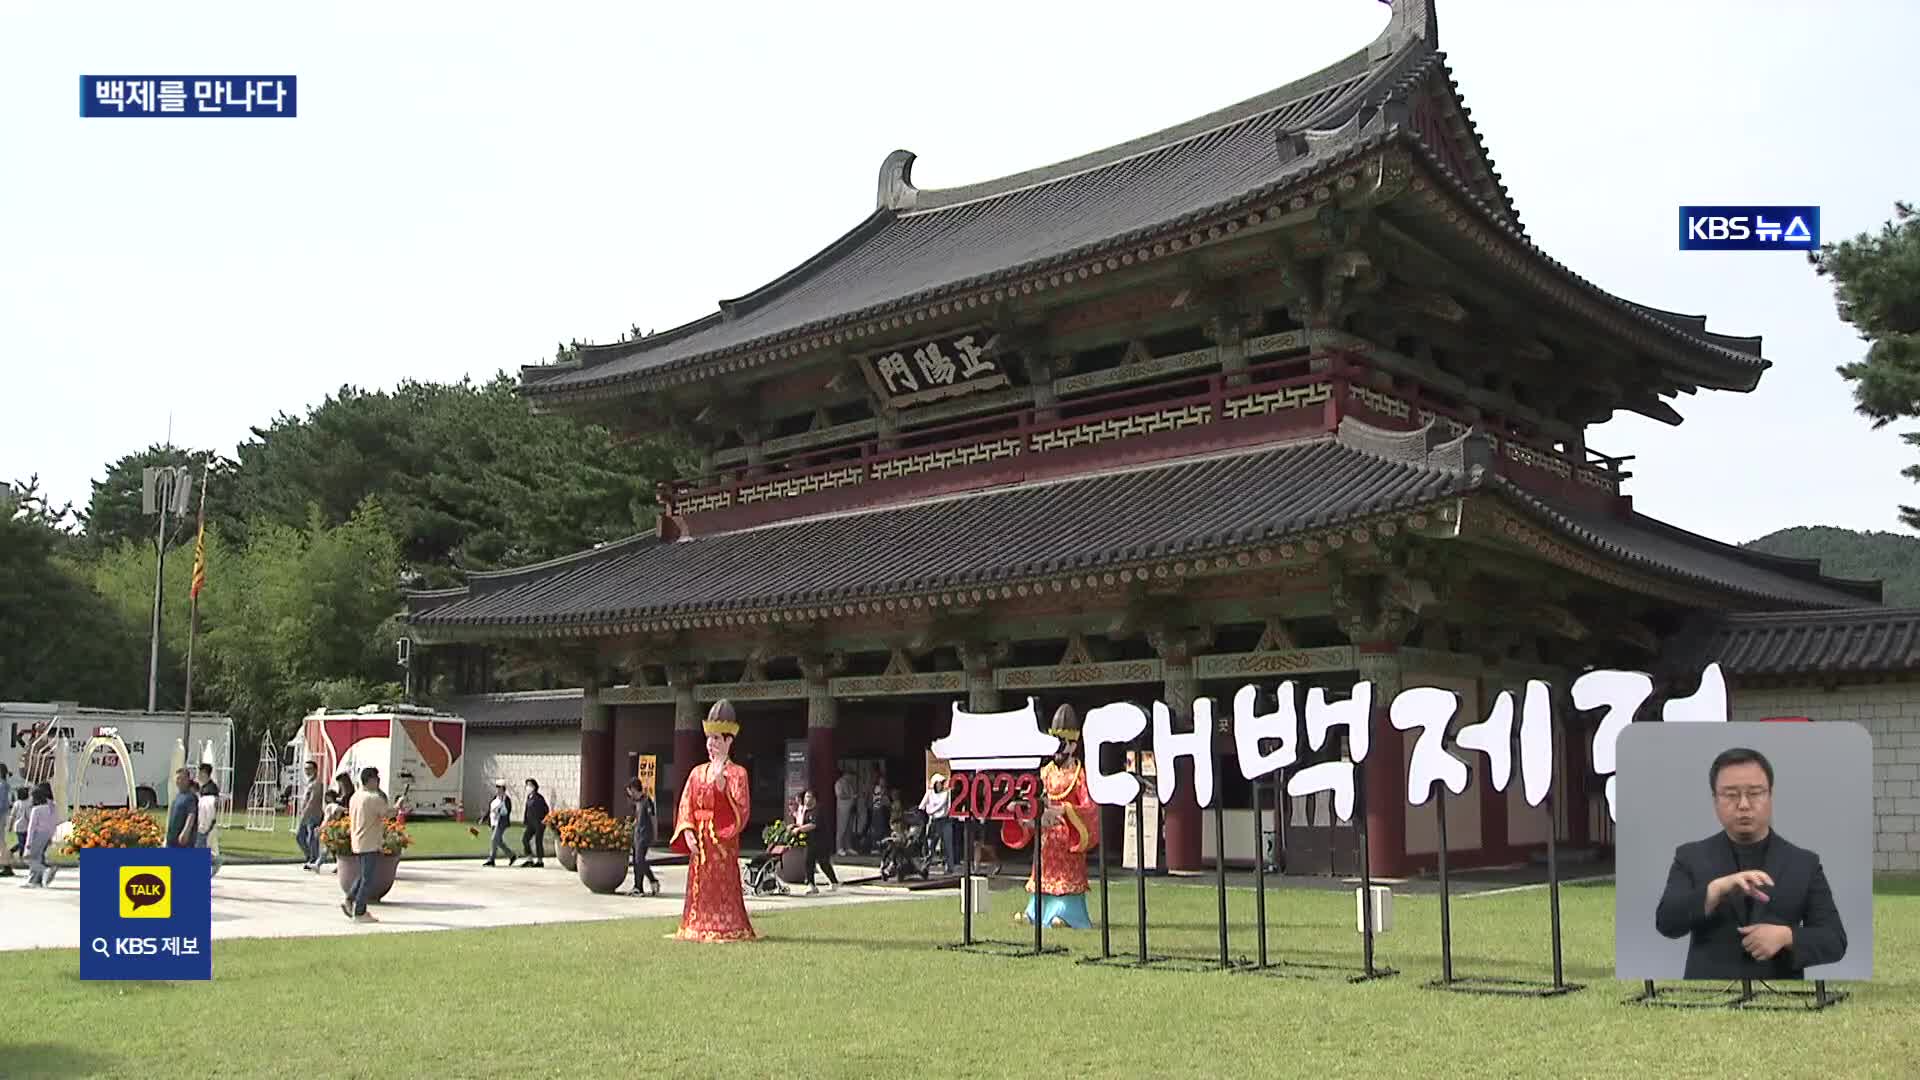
164 490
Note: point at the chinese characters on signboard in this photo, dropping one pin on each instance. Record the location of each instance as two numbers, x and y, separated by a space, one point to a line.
188 95
942 368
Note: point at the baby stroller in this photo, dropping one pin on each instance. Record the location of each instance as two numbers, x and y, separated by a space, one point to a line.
762 875
908 854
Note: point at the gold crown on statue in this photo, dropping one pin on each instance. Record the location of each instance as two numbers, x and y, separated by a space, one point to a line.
1066 724
720 719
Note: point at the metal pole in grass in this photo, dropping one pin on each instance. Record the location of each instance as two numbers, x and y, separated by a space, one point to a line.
1446 907
1553 887
1039 879
1106 943
1259 870
966 884
1140 852
1366 861
1220 852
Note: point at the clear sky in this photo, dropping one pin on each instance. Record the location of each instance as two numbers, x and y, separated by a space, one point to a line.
469 184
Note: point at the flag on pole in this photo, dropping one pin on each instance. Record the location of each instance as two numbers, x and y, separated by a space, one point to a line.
200 544
199 560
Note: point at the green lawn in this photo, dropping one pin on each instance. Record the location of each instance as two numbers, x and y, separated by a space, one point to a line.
431 836
861 991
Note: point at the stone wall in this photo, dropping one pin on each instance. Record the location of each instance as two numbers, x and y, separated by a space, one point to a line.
551 756
1891 714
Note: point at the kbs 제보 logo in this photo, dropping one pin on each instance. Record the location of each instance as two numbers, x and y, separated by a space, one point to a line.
146 892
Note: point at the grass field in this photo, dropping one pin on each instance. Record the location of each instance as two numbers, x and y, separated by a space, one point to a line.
862 991
431 836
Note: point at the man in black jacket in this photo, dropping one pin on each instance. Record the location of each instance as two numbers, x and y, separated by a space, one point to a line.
643 816
1751 904
533 842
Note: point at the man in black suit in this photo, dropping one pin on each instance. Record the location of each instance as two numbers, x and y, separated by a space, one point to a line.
1751 904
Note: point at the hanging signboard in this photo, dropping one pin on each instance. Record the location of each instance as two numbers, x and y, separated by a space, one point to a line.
943 367
1142 816
796 767
647 771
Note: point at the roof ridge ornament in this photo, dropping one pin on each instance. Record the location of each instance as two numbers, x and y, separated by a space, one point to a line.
1412 19
896 182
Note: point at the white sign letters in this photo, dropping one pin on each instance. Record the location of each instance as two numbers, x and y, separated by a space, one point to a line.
1015 739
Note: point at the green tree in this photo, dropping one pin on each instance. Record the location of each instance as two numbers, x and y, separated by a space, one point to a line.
59 640
1877 285
468 477
297 612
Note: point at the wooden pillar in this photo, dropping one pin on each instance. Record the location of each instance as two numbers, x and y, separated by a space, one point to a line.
1385 767
596 750
689 741
1183 817
1228 333
823 755
979 660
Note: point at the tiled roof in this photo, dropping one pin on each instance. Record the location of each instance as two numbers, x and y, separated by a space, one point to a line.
1651 544
524 709
1865 640
922 244
1189 507
997 536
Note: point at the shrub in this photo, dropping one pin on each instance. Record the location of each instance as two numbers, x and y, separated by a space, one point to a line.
112 828
336 836
596 830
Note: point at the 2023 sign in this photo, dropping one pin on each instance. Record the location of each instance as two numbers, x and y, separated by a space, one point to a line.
995 796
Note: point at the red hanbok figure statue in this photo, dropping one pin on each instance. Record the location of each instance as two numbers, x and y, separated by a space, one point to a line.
1070 827
713 809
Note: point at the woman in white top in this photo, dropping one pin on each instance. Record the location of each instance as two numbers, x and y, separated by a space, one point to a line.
934 805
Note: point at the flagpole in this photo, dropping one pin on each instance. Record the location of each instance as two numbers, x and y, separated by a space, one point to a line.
193 616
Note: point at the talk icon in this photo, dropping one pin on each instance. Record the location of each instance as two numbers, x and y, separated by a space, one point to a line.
146 892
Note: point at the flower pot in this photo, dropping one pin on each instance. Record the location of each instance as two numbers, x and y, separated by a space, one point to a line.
568 857
793 866
385 868
602 871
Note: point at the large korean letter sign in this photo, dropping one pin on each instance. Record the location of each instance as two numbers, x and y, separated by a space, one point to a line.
1000 739
146 913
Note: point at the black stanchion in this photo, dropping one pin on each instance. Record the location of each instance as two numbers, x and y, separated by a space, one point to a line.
1039 879
1220 852
966 884
1368 971
1143 960
1746 998
1140 854
1259 872
1106 936
969 943
1486 984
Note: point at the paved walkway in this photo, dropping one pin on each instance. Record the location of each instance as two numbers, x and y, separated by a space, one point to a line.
285 901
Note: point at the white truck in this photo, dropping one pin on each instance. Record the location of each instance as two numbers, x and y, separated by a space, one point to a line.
421 753
153 743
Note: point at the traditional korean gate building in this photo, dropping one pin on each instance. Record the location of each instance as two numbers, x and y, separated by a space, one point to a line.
1283 392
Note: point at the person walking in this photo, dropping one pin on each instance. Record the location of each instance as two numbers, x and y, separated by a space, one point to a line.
367 821
183 815
22 806
533 841
312 806
643 815
42 818
806 822
845 791
6 818
500 815
934 805
209 818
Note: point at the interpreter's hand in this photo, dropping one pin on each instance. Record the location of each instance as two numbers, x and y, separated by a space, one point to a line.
1764 940
1747 882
